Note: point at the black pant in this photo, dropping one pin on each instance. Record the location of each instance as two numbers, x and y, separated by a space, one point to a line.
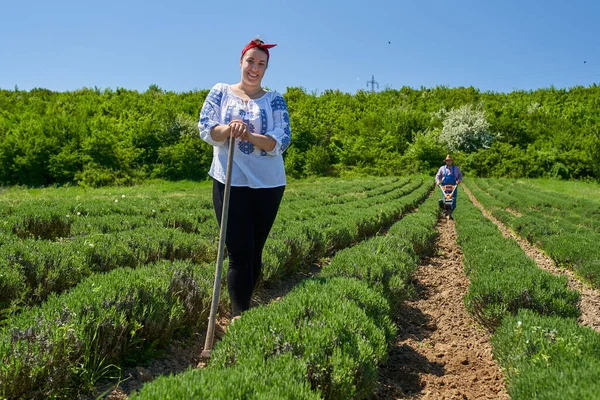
251 216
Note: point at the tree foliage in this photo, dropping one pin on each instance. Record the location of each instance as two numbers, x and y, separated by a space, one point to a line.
99 137
466 129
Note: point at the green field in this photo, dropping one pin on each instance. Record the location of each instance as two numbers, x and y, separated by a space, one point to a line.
584 190
96 280
566 227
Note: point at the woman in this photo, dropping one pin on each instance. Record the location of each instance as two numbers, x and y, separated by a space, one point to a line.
257 123
449 175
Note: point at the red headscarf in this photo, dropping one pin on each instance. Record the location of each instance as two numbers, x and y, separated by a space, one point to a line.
260 44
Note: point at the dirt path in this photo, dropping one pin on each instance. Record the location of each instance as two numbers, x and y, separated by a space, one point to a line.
590 298
440 353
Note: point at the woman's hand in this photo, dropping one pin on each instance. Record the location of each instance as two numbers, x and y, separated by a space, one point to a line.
238 129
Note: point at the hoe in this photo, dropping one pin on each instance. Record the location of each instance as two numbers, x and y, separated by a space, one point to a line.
210 334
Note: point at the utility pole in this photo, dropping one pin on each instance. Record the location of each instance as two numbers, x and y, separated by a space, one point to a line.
372 83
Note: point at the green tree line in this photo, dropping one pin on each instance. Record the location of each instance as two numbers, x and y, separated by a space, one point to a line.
99 137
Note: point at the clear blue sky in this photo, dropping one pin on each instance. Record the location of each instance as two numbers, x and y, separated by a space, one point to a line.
182 45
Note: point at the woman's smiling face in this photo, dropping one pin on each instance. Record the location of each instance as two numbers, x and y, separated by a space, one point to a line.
253 65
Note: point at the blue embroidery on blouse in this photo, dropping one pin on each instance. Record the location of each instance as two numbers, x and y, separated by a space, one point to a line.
246 118
228 114
278 103
204 122
215 96
246 147
263 128
286 117
205 115
263 121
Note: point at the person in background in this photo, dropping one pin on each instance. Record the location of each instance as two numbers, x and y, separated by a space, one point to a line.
449 175
257 123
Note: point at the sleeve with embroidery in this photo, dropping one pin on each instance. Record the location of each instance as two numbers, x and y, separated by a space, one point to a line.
281 125
210 115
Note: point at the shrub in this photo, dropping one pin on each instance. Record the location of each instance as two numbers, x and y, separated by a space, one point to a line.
466 129
106 319
276 378
548 357
338 328
12 286
48 226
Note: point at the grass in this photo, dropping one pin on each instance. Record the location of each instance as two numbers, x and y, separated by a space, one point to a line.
584 190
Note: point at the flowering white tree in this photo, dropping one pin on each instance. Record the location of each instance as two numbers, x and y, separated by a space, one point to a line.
465 129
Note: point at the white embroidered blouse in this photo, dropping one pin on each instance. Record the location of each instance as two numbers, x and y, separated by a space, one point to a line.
267 115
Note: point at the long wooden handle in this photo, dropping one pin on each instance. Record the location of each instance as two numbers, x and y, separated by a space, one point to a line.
208 344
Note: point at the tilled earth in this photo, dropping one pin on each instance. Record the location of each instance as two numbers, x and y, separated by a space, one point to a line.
440 353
